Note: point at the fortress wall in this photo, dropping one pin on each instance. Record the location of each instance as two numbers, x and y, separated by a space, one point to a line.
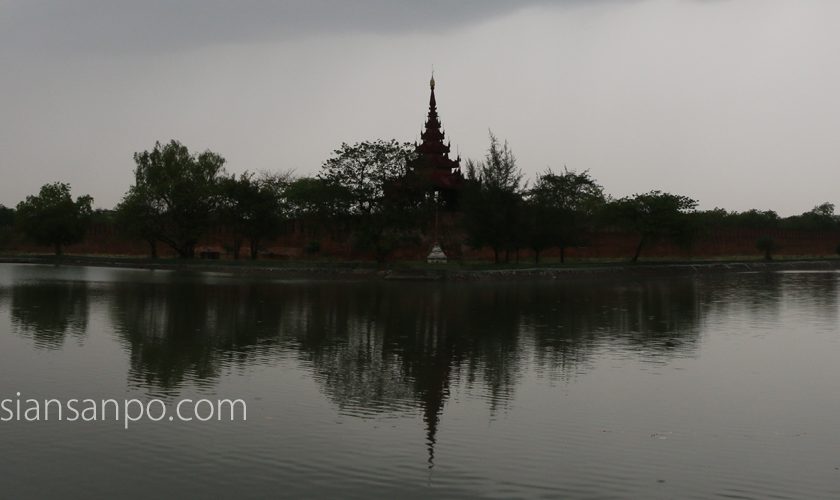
298 243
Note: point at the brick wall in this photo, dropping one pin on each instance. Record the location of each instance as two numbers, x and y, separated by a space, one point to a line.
103 239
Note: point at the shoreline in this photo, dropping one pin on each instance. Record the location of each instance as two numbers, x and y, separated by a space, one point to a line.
448 272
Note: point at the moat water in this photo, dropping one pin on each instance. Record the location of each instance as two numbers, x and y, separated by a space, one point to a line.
681 387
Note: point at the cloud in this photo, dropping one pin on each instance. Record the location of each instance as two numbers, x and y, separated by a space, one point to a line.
121 26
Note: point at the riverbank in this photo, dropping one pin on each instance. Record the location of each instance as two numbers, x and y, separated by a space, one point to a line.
418 271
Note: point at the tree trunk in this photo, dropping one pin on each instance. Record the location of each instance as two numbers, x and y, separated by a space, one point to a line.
255 248
562 254
536 256
58 250
187 251
152 248
495 255
237 245
639 249
381 255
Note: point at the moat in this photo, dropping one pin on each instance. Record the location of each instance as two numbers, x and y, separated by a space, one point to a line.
632 386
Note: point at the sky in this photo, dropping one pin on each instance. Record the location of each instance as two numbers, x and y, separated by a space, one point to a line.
735 103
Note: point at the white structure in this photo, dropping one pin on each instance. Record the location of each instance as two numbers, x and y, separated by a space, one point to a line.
436 256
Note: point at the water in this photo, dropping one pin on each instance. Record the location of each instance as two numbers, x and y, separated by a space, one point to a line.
681 387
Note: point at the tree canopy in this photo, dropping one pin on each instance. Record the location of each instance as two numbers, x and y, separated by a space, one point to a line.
493 200
560 208
654 215
365 169
53 218
177 193
253 207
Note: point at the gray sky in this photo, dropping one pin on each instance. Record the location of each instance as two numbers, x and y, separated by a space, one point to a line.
732 102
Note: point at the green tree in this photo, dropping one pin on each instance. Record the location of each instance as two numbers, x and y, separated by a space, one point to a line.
653 216
754 218
253 208
7 224
317 199
560 208
381 223
136 218
365 169
7 216
318 205
53 218
820 217
767 245
182 192
493 201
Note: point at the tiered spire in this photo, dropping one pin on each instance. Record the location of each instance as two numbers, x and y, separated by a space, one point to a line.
432 167
433 136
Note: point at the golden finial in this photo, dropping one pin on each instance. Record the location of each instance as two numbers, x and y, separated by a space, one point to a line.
432 81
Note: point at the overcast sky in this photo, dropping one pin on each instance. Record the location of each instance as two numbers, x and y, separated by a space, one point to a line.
735 103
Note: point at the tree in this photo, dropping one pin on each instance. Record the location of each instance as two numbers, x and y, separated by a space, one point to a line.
52 217
252 207
560 208
7 224
820 217
654 215
493 200
318 204
754 218
767 245
498 171
364 169
381 222
137 218
181 191
317 199
824 210
7 216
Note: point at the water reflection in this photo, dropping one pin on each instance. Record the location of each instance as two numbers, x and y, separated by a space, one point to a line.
187 330
382 348
405 349
48 312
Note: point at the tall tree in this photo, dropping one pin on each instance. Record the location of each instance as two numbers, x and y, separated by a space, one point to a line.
493 200
7 216
560 208
821 217
654 215
318 204
381 223
136 217
182 192
7 224
53 218
253 208
365 169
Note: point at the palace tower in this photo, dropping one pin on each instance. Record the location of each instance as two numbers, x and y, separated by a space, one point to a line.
433 170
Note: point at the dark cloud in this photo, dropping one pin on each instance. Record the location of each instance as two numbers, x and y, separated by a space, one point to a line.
152 25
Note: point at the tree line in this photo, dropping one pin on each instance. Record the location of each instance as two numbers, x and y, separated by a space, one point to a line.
179 196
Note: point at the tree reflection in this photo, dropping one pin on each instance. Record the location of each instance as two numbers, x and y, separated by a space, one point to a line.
379 348
387 343
389 348
188 329
48 312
